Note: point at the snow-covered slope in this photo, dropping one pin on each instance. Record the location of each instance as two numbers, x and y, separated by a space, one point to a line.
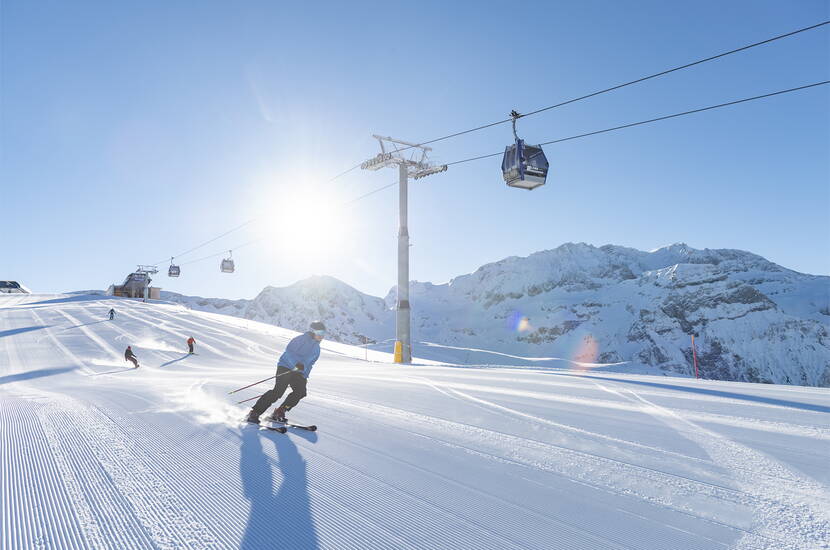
753 320
95 455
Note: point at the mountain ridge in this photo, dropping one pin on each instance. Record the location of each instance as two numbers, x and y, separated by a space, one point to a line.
753 319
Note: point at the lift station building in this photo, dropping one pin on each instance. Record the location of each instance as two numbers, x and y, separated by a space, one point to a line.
137 285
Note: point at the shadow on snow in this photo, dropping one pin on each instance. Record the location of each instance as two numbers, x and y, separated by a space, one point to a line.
716 393
28 375
185 356
78 298
12 332
116 371
281 518
85 324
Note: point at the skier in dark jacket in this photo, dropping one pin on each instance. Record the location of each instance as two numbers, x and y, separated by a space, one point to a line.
130 356
112 314
293 370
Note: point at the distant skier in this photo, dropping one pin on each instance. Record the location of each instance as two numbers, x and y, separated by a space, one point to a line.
293 369
130 356
112 314
190 342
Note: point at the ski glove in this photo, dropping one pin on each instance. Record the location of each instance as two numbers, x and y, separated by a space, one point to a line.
299 366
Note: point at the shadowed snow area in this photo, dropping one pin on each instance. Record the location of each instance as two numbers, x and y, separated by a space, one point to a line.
98 455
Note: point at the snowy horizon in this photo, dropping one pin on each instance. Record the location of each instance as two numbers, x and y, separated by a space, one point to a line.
161 278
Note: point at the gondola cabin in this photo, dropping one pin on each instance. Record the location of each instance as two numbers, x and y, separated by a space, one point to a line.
524 166
227 265
173 271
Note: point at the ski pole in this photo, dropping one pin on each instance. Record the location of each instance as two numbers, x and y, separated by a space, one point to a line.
251 399
254 384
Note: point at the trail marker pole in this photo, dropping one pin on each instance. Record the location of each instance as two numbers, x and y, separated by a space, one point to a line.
694 356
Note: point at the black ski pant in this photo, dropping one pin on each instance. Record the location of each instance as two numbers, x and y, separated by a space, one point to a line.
190 347
285 377
134 360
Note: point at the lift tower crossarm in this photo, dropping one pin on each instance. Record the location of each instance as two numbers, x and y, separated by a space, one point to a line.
381 139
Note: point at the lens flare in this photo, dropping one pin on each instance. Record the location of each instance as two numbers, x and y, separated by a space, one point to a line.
586 353
517 322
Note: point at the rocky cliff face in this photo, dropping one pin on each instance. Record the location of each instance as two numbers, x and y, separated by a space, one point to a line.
753 320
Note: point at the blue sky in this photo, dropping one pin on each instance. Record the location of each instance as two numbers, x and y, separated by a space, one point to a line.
133 132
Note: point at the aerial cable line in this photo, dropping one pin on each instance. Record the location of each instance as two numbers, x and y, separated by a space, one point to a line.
252 220
623 85
344 172
237 228
675 115
654 119
347 203
692 64
370 193
537 111
612 129
224 251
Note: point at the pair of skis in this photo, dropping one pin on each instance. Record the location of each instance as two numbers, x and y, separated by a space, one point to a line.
282 427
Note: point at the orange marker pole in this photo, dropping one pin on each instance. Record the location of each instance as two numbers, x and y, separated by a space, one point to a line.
694 355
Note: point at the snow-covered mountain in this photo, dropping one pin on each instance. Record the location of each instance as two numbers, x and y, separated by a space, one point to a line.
350 316
753 320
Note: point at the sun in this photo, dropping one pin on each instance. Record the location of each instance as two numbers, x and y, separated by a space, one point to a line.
307 224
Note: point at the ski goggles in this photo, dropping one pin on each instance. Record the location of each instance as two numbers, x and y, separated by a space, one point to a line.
319 332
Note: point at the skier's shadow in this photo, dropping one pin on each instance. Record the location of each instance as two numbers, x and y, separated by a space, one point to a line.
182 358
280 516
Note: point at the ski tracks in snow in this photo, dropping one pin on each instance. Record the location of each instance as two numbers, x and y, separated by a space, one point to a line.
50 334
103 345
117 498
178 332
240 344
790 511
720 505
785 428
617 442
73 479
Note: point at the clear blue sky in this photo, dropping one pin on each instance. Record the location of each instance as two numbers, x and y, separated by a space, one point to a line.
134 131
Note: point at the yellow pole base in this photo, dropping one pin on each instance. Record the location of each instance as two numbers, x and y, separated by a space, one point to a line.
398 351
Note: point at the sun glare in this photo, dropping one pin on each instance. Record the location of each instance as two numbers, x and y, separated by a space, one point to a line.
308 224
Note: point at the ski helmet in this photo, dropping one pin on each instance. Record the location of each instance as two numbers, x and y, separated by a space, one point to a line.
318 325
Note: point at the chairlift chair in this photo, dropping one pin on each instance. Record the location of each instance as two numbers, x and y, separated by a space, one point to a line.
523 166
227 264
173 270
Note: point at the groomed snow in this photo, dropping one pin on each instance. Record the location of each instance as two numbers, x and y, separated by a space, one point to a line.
96 455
